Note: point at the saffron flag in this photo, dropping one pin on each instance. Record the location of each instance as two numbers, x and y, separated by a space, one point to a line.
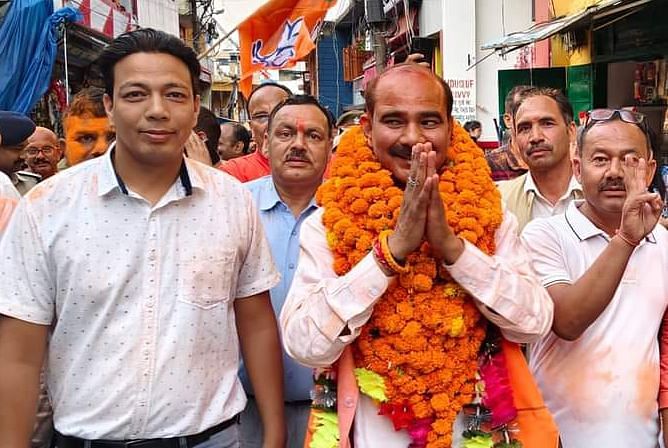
277 35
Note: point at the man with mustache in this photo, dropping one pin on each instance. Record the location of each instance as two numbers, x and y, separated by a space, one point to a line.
604 265
43 152
298 142
383 269
544 130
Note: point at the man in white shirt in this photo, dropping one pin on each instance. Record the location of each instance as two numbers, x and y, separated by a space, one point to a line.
604 264
122 262
544 131
408 126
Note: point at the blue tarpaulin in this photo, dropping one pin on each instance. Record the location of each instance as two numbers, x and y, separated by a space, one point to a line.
28 45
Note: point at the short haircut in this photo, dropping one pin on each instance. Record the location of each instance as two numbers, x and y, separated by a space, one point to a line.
472 125
146 40
511 96
87 103
263 86
653 144
370 91
302 100
557 95
241 134
349 118
208 123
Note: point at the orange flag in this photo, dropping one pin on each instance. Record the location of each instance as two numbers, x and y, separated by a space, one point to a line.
278 35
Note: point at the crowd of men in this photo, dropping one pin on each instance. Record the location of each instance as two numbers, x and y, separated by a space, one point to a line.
168 280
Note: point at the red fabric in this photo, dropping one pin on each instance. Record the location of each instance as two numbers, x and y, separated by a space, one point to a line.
247 168
663 351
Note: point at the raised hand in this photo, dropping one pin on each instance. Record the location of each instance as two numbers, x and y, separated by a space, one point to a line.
641 210
196 149
410 228
445 245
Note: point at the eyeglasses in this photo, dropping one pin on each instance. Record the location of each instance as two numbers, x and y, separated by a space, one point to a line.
261 117
627 116
46 150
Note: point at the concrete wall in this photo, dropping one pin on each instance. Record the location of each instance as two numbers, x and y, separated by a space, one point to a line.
490 21
430 17
159 14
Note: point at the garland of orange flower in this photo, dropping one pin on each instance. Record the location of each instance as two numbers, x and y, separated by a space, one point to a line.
424 336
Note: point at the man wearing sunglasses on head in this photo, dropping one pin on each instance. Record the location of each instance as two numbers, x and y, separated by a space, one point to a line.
603 263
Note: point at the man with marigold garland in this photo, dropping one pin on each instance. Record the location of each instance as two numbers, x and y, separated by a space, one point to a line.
413 287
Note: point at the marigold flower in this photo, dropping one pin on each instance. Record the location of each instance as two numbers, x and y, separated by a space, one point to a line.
424 334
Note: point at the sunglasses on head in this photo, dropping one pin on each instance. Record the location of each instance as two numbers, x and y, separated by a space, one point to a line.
627 116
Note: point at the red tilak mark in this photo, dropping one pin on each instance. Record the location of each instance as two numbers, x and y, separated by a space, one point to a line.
300 126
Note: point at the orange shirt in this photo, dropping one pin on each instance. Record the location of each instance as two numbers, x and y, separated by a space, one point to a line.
247 168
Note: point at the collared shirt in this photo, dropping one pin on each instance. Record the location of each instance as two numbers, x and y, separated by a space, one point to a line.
140 298
282 230
24 181
504 164
247 168
7 188
321 305
542 208
602 387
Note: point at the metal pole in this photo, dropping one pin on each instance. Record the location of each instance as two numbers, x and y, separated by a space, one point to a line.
215 44
67 75
379 48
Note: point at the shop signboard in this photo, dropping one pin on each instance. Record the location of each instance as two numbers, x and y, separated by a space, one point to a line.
459 55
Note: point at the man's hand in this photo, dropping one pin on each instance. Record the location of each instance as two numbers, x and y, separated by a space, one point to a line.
417 58
445 245
410 228
642 210
196 149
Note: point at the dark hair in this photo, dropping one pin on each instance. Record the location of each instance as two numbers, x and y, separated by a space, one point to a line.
264 85
208 123
302 100
370 91
87 102
510 98
241 134
472 125
557 95
146 40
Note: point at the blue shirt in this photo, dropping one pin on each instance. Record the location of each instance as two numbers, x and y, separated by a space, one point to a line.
282 231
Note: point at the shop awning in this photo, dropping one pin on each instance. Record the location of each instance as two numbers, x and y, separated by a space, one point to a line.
540 31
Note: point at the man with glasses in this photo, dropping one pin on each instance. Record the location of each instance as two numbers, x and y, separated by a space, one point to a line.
260 104
603 263
43 152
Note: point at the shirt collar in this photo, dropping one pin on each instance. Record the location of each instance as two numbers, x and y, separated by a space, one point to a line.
530 186
270 197
584 228
109 178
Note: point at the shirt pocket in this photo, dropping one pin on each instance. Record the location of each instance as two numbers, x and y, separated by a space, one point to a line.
207 280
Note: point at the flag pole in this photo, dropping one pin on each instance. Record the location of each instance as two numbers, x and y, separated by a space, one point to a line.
216 43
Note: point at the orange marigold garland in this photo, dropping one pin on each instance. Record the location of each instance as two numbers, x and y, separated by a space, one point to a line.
425 334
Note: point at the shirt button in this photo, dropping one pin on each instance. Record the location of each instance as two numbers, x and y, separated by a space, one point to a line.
349 402
374 291
294 233
291 266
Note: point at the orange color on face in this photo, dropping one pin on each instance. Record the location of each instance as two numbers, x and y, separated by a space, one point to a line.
86 138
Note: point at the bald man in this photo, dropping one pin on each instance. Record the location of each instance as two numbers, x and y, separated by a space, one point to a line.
43 152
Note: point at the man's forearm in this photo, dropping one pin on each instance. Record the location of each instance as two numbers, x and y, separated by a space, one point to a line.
577 306
20 365
263 360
